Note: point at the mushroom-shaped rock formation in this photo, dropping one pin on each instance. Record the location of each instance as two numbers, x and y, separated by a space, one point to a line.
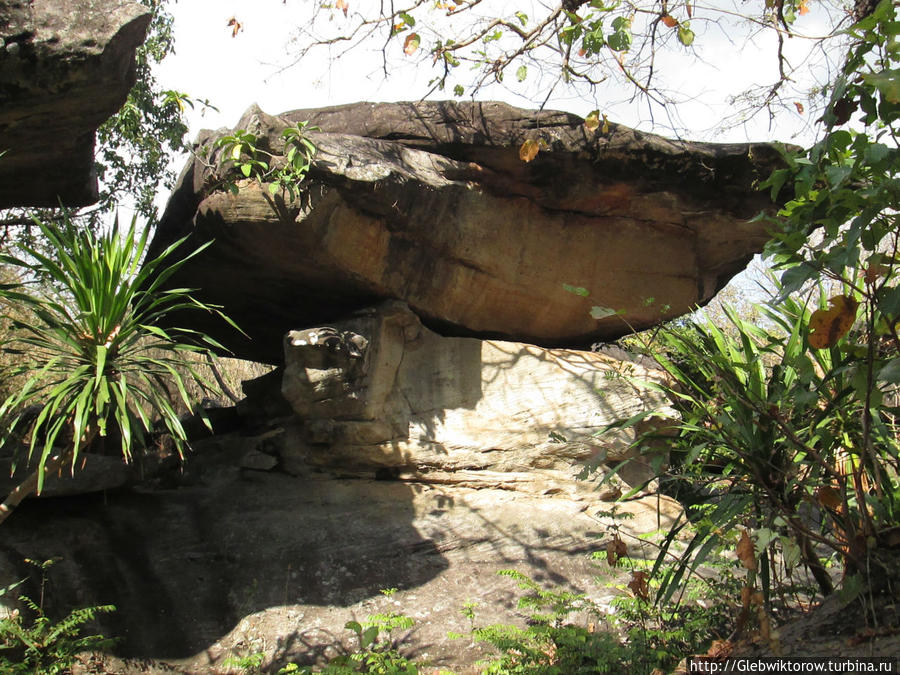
430 203
65 67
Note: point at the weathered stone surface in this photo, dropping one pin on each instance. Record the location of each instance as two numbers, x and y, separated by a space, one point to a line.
380 392
429 203
230 559
65 67
400 459
95 473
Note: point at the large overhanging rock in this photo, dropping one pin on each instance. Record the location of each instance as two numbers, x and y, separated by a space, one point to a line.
65 67
430 203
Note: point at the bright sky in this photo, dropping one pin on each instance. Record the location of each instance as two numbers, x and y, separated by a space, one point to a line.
234 72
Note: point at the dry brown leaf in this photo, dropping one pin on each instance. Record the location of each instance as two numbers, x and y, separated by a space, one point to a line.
720 649
799 107
828 497
342 5
745 552
827 326
669 20
236 26
875 271
615 549
639 585
529 150
411 44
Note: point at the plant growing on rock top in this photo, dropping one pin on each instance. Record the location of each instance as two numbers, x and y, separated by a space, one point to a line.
93 348
245 156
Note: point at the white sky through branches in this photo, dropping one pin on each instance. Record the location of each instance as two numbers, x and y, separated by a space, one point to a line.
233 72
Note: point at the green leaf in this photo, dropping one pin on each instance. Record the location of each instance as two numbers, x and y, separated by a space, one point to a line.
887 82
577 290
685 34
368 637
522 17
876 152
890 372
407 19
620 41
522 73
602 312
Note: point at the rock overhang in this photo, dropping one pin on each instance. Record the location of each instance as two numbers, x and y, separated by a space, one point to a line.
65 67
429 203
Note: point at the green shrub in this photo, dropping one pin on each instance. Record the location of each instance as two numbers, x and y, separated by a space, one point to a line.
33 644
96 351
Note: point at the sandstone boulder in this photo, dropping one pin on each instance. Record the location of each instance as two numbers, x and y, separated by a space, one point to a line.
429 203
380 394
65 67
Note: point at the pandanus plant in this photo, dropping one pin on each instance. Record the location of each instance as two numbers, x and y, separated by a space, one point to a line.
93 343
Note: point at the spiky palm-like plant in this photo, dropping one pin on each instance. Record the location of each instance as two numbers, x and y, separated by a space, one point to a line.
93 351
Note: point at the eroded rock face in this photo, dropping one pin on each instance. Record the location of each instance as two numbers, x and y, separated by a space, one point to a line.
388 456
429 203
65 67
230 560
380 394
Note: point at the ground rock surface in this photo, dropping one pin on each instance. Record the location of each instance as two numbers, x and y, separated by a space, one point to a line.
429 203
65 67
226 560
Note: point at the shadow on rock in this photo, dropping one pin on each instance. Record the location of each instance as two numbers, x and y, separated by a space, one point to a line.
184 566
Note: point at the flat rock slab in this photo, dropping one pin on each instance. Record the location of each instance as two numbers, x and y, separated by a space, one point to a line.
65 67
236 560
429 203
